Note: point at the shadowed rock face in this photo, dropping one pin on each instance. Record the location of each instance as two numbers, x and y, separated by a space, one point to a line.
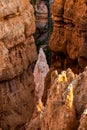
82 59
70 29
41 20
42 11
83 120
17 57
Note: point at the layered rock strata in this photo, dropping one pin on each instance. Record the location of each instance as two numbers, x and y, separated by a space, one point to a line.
69 35
17 57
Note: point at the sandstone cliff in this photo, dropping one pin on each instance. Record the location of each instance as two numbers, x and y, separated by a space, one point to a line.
69 37
17 57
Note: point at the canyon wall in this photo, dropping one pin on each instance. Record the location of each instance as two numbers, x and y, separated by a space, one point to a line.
64 102
69 38
17 57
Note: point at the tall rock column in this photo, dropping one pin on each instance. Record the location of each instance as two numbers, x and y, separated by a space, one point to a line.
17 57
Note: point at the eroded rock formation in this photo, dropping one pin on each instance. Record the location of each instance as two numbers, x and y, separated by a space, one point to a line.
41 20
65 94
40 72
64 108
17 57
83 120
43 23
69 37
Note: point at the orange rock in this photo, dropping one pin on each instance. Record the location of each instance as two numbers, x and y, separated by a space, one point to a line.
17 57
70 30
80 96
83 120
59 112
16 36
65 105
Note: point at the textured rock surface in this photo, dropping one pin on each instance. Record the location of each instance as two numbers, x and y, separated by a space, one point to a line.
40 72
16 101
70 30
66 102
16 41
51 2
60 112
43 23
83 120
11 7
35 122
80 99
17 57
41 20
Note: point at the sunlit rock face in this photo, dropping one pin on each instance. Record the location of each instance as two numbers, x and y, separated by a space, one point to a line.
66 103
60 112
70 29
17 57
